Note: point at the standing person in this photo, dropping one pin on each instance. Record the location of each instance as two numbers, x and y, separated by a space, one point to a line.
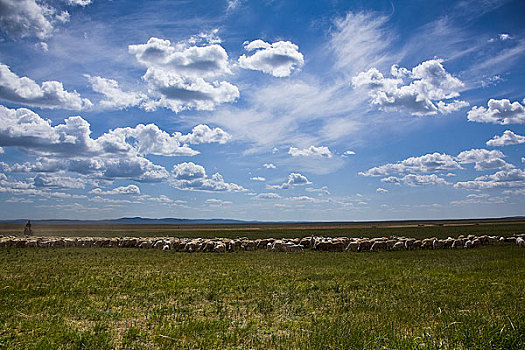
27 230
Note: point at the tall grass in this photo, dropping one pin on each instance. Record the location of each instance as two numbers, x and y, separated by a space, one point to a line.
142 299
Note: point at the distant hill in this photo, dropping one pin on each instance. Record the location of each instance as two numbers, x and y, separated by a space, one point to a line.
132 220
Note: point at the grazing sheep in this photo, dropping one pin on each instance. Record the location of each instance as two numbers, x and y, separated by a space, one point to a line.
364 245
428 243
520 242
379 246
399 246
330 246
438 244
220 248
352 247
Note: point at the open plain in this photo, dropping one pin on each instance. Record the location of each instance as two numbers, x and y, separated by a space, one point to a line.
147 299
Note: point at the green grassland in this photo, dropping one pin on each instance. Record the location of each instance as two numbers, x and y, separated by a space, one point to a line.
99 298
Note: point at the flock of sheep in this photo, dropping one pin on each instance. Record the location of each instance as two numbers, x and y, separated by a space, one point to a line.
223 245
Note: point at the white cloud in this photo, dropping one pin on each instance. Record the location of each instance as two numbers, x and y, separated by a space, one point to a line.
114 96
294 179
267 196
164 199
311 151
501 179
306 199
188 171
504 36
258 178
508 138
29 132
427 163
233 5
50 94
79 2
1 150
359 40
147 139
118 153
498 112
416 180
269 166
204 134
42 45
421 91
178 75
216 202
484 159
348 153
518 192
279 59
193 177
381 190
26 18
28 189
52 181
322 190
126 190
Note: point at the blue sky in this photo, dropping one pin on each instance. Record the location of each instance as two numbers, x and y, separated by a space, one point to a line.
262 110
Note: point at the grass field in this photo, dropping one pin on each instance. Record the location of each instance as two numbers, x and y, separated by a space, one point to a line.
140 299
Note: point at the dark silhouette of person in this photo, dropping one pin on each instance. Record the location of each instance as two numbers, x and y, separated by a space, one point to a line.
27 230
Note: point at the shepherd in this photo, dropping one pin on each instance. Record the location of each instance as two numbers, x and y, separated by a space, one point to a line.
27 230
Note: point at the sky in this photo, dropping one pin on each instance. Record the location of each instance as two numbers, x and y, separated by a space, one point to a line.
262 110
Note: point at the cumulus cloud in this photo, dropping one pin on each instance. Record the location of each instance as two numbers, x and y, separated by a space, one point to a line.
508 138
178 75
79 2
279 59
26 18
191 176
204 134
114 96
416 180
500 179
484 159
50 94
125 190
258 178
381 190
28 189
53 181
118 153
216 202
348 153
322 190
29 132
294 179
269 166
427 163
268 195
306 199
498 112
311 151
426 89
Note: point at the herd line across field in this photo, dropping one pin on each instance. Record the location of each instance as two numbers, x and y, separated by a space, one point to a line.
224 245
